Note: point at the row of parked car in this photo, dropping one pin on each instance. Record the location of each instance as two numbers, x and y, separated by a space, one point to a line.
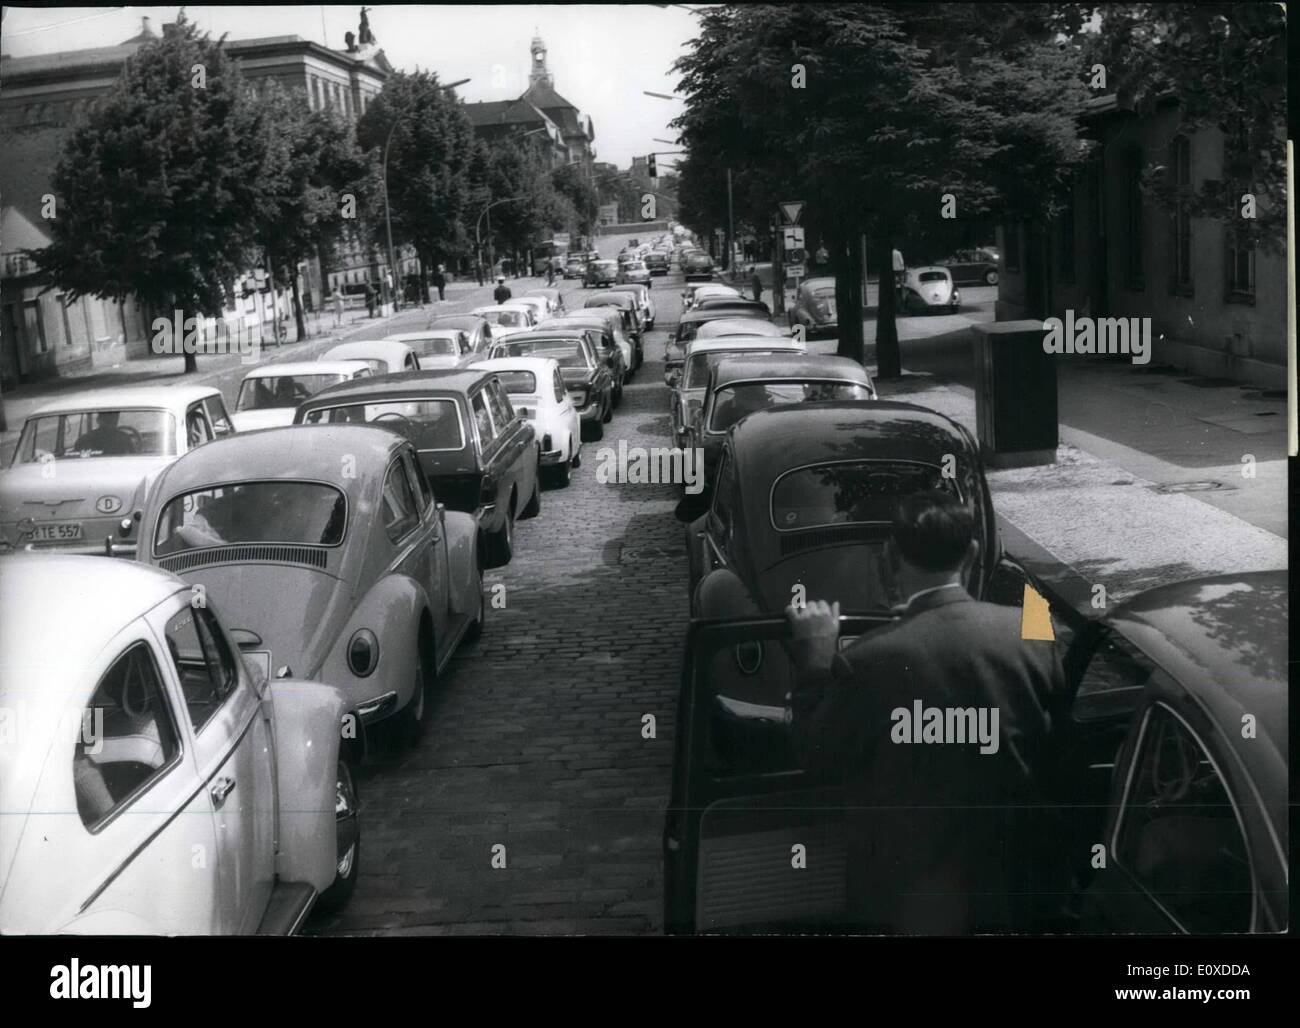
304 570
1177 748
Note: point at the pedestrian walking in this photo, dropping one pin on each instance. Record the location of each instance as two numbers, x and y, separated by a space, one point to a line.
336 301
371 297
943 839
756 284
550 273
440 282
478 268
502 292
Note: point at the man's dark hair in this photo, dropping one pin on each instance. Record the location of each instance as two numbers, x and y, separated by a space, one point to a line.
933 530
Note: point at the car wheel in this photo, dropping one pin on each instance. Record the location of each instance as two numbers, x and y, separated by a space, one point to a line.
597 428
415 715
475 631
991 277
347 831
534 505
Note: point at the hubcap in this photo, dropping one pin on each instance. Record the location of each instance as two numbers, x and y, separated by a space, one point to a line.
345 809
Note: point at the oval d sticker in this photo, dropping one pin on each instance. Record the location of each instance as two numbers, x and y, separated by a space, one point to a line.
108 505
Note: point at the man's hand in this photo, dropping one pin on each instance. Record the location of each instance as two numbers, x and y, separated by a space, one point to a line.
816 630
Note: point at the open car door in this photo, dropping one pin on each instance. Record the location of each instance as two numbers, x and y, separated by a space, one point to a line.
752 843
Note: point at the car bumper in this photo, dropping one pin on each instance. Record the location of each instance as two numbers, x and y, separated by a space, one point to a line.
550 458
103 548
591 412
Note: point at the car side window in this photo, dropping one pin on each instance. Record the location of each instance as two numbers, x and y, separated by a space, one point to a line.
197 429
400 511
362 373
720 514
1114 676
221 423
1178 832
465 346
127 738
419 481
482 418
204 664
502 411
560 392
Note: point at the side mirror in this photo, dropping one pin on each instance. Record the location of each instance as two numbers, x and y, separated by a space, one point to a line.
245 638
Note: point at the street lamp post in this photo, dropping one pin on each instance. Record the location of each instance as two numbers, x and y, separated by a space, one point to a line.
478 239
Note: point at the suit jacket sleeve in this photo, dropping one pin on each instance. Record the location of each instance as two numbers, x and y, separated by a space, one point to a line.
838 716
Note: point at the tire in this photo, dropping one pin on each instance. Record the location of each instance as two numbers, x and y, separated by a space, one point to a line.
348 860
991 277
561 473
597 429
415 715
475 631
609 414
534 505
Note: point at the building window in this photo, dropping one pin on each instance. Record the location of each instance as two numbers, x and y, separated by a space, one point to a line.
1011 239
1134 249
1239 260
1180 221
315 94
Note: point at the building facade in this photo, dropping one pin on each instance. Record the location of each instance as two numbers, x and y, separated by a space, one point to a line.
43 98
1218 306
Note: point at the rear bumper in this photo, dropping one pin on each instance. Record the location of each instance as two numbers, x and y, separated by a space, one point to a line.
552 457
103 548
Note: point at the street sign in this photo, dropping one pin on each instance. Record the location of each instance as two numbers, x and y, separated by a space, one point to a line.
795 256
790 211
793 236
796 270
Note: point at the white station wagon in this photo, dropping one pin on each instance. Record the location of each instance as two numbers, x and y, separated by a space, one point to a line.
78 476
152 782
269 395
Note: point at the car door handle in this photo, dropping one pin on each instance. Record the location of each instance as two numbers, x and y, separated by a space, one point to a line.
220 789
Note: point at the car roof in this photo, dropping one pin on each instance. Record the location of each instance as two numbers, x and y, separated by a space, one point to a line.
794 367
726 343
719 327
495 307
405 383
714 313
818 283
443 332
382 349
929 267
95 598
1224 638
335 367
126 396
625 300
769 442
285 451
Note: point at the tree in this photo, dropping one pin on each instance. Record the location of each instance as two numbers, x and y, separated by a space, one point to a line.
1225 64
875 114
431 148
155 192
316 162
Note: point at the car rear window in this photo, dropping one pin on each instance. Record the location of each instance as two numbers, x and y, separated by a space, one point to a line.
301 513
734 402
518 382
428 424
269 391
435 346
700 364
566 354
932 276
849 492
97 433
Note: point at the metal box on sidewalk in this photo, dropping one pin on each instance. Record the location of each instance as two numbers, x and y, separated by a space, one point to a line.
1015 394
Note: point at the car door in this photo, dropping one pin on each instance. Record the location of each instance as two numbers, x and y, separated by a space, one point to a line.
515 441
218 416
433 563
198 430
137 795
1176 855
752 841
229 717
491 467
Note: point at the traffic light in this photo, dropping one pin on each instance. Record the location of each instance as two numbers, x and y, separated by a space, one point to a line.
650 161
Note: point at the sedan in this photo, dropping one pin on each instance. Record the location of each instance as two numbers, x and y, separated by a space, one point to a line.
601 273
645 302
697 267
537 392
554 299
507 318
574 267
479 329
633 272
327 545
929 288
438 348
605 324
160 785
814 307
586 376
723 327
976 267
269 395
690 323
384 356
82 466
701 357
702 289
657 263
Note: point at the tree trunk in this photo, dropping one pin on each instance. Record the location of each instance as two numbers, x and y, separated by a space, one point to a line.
298 318
889 360
849 303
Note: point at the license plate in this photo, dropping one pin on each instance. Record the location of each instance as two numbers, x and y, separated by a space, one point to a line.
58 532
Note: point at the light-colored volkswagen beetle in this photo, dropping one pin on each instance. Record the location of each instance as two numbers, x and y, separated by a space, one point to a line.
79 474
327 542
151 782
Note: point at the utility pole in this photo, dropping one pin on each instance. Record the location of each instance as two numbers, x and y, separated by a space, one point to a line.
731 241
778 267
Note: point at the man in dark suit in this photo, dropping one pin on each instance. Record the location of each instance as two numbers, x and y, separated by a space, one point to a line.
941 726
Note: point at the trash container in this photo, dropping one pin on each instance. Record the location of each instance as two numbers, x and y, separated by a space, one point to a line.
1015 394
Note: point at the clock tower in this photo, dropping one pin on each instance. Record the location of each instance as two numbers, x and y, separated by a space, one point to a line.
538 73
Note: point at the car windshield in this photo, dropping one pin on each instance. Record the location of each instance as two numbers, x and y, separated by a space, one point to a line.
567 354
262 392
849 492
428 424
932 276
97 433
636 265
825 293
734 402
518 382
434 346
301 513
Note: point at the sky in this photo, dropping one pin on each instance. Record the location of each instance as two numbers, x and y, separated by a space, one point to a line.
601 57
